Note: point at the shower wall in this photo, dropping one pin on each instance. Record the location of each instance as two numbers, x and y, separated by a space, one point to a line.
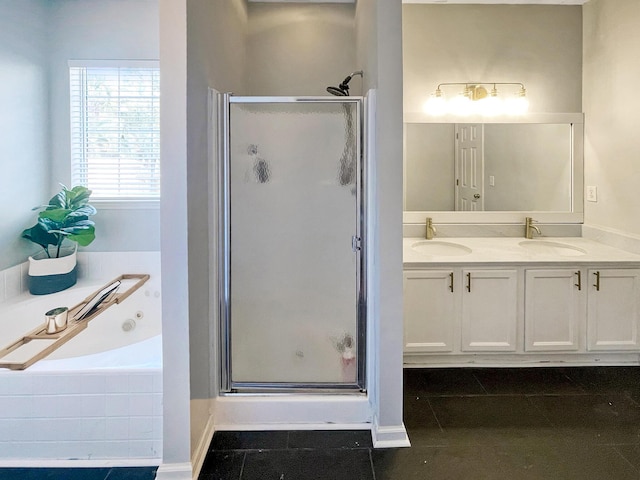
298 49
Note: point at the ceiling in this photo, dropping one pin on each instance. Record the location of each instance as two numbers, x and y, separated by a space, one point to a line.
451 2
511 2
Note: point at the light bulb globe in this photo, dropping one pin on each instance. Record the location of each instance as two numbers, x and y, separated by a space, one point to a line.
436 105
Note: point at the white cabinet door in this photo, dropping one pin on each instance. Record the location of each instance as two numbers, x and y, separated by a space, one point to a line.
489 310
429 311
613 309
553 309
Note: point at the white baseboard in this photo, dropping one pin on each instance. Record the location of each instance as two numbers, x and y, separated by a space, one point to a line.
174 471
292 411
221 427
389 437
197 459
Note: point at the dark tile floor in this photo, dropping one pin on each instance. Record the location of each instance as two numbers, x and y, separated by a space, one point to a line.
124 473
503 424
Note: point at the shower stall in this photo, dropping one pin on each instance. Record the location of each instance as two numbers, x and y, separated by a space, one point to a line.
291 247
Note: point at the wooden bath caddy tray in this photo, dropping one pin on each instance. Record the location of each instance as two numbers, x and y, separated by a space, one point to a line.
74 327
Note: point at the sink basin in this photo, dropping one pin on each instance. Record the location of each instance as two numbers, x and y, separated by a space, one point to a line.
544 247
444 249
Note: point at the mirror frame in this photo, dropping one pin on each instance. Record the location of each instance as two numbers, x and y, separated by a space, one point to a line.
576 215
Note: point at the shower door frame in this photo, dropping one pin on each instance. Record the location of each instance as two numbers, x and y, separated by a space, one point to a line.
227 386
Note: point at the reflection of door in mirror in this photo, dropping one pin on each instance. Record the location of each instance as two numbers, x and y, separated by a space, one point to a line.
492 167
469 167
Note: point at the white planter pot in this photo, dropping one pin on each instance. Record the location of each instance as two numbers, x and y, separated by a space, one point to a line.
50 275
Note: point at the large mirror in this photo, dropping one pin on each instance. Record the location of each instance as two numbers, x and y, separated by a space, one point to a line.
498 170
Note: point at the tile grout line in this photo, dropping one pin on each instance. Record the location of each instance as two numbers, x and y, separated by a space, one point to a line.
244 459
540 411
373 470
615 449
480 383
433 412
575 382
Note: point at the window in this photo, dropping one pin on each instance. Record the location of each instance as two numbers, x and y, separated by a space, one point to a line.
115 128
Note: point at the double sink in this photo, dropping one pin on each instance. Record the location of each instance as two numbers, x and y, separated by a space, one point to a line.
536 247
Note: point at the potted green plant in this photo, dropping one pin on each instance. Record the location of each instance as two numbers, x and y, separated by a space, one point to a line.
62 226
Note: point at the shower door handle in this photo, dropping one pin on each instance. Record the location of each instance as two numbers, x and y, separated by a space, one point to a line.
356 243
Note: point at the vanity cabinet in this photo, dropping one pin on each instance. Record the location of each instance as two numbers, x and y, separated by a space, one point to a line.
489 310
613 309
460 310
430 311
562 304
521 314
553 309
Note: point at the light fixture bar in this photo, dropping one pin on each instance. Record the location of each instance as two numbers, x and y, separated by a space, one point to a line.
482 98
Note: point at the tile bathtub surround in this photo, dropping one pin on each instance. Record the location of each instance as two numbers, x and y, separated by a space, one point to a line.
81 415
578 423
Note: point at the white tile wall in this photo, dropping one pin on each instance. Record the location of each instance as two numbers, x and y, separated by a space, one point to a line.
81 415
13 282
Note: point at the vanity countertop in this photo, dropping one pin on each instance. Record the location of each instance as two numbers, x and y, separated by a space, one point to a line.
511 250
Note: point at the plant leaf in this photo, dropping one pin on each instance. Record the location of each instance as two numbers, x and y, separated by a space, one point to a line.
84 211
37 234
81 224
55 214
78 196
59 200
85 235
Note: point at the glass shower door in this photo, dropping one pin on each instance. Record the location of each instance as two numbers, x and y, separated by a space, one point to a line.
294 281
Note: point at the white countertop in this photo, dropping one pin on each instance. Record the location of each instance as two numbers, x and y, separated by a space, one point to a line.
515 250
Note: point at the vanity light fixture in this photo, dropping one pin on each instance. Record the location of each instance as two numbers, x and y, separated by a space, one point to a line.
479 98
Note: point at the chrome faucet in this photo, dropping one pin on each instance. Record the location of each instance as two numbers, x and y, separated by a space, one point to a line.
431 230
529 227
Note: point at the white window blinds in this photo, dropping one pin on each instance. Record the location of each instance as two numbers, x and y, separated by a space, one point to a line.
115 129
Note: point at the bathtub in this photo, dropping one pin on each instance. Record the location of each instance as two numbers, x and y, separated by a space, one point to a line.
98 397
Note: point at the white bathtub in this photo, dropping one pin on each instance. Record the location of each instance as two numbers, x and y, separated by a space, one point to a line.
135 321
99 396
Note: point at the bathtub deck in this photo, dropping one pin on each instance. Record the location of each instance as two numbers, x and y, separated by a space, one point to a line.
75 327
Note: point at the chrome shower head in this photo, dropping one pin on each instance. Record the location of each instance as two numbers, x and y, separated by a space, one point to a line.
342 90
338 91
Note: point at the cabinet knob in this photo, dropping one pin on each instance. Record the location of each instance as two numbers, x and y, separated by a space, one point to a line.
597 284
579 284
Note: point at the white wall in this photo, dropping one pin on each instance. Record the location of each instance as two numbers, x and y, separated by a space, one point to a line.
100 29
174 231
296 49
24 156
379 53
611 42
216 52
538 45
